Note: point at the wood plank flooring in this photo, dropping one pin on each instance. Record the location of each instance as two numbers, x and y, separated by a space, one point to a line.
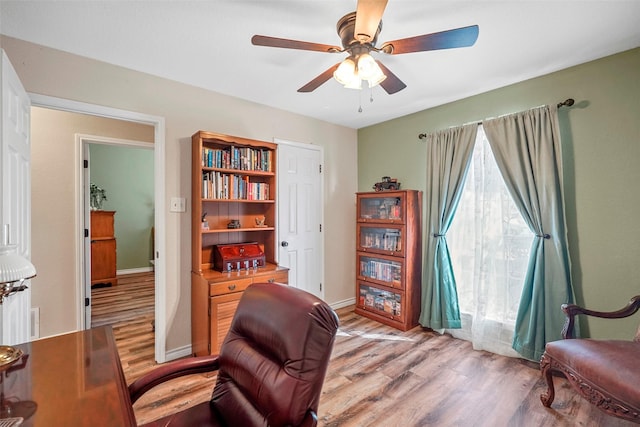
379 376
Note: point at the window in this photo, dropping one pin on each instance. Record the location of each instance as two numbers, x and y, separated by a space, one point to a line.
489 244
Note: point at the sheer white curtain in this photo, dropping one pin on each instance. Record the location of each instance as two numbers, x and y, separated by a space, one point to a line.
489 244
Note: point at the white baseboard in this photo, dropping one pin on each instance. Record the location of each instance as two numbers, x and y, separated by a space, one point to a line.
134 270
343 303
177 353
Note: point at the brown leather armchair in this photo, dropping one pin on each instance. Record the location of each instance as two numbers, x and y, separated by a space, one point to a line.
271 365
605 372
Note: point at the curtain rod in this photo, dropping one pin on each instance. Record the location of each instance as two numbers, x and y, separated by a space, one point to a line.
567 102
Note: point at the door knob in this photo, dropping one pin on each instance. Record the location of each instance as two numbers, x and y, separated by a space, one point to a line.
284 244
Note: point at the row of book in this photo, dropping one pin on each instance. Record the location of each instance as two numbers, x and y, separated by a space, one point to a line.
217 185
240 158
381 209
381 270
391 240
378 299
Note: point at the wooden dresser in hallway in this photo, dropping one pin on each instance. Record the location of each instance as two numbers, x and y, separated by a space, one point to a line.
103 248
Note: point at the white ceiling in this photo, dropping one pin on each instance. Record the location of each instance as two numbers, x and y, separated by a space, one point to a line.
207 44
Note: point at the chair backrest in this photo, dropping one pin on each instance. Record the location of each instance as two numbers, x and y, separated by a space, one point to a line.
274 358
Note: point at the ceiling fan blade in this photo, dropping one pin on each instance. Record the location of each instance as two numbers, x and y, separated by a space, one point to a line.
459 37
368 16
292 44
392 83
318 81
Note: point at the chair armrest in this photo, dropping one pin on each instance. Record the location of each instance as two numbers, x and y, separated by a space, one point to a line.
571 310
171 370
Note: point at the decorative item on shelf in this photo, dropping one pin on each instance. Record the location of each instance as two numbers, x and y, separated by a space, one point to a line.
97 197
204 222
387 184
14 270
260 221
234 223
238 256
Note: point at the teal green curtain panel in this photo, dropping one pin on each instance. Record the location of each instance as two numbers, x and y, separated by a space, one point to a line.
448 157
528 152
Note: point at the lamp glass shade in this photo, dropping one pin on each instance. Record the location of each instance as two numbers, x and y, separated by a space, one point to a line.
14 267
345 72
367 67
355 83
376 79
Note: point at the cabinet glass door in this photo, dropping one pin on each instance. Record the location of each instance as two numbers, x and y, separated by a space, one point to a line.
381 208
383 240
380 301
384 270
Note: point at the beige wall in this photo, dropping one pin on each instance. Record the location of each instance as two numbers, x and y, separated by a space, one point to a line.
187 109
54 174
601 151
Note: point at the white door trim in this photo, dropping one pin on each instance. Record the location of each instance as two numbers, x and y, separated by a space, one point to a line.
321 249
82 150
159 178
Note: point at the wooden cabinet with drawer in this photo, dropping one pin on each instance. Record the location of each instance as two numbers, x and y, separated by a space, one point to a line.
233 203
103 248
214 299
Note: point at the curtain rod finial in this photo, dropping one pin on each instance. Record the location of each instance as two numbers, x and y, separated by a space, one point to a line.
568 102
422 136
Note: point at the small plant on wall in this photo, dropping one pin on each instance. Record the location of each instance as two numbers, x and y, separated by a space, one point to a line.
97 197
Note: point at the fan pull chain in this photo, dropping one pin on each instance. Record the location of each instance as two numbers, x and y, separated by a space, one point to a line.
360 101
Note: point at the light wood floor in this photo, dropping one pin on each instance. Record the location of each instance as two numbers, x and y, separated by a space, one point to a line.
379 376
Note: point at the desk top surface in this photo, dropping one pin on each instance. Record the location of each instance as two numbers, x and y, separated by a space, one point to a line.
69 380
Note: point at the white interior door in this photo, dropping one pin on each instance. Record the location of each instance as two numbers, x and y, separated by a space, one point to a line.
15 194
300 206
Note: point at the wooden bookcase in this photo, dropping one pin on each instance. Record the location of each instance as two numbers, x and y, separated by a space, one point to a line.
233 178
389 257
103 248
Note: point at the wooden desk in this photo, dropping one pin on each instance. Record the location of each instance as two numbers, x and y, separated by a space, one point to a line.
74 380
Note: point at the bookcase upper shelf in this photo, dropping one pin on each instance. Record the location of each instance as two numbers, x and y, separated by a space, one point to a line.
238 201
235 230
239 171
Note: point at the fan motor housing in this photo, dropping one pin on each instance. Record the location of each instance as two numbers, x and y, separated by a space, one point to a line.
346 28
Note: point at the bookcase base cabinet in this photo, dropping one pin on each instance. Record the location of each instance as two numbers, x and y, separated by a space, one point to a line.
388 306
214 299
389 257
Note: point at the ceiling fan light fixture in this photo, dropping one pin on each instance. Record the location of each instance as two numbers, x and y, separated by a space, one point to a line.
367 67
355 83
376 79
346 75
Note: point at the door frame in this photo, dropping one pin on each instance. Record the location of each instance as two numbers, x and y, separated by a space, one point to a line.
83 141
158 124
320 149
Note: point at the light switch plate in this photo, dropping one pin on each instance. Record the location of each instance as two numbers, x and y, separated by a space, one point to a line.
178 204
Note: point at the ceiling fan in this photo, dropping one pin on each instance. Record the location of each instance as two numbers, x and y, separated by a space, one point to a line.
359 32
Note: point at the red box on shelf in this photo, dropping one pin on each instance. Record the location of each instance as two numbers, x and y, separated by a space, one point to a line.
238 256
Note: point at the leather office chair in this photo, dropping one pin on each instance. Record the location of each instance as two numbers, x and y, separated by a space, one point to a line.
271 365
605 372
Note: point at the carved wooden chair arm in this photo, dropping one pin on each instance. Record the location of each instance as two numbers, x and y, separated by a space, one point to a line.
571 310
171 370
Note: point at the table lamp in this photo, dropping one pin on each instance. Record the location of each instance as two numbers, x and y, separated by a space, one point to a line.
14 270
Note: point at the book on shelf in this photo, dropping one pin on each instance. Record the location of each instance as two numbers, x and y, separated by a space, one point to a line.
380 300
218 185
239 158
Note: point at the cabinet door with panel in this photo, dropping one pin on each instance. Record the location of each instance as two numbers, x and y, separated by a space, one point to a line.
389 257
